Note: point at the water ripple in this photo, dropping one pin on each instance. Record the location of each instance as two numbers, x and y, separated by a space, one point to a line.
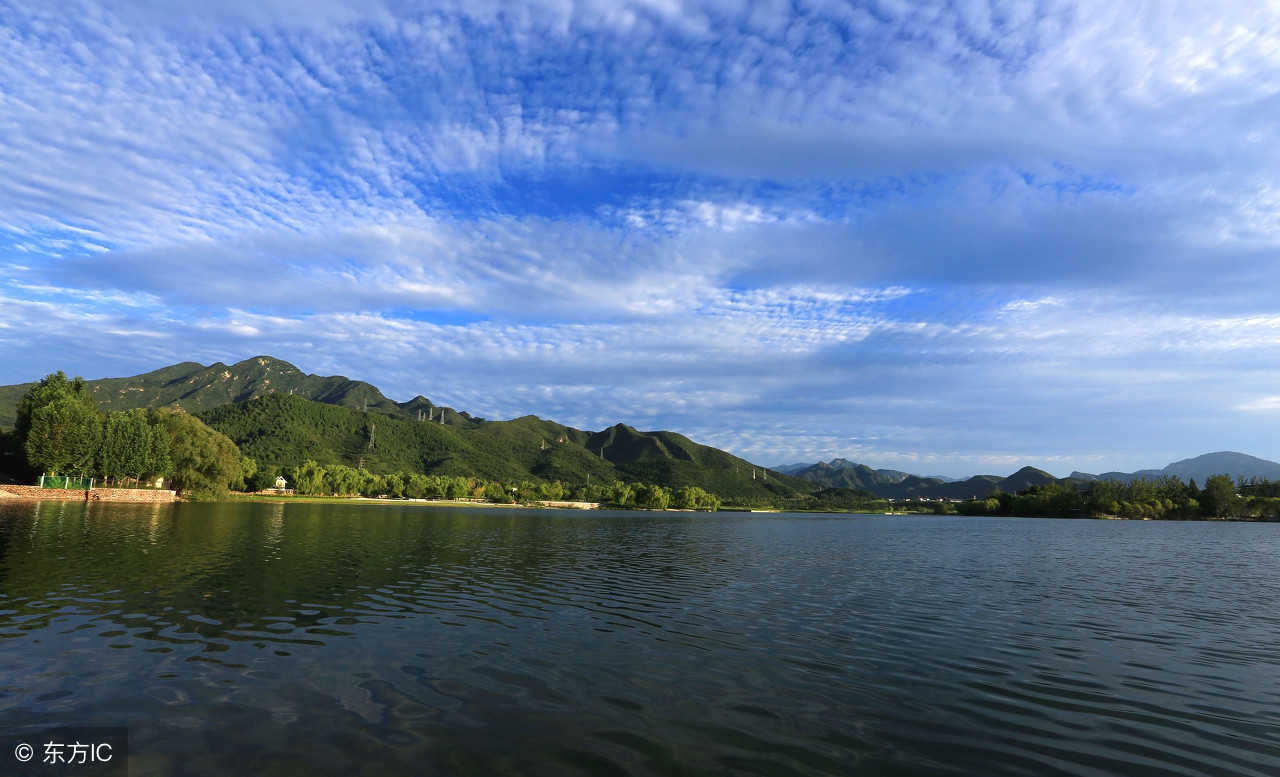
409 640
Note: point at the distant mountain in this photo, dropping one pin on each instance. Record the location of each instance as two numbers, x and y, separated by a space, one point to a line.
842 473
820 474
788 469
897 475
892 475
894 484
1237 465
976 487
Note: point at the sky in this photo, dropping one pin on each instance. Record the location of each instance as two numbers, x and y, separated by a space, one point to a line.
943 237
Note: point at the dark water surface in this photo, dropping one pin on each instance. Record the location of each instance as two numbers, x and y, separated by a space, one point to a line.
386 639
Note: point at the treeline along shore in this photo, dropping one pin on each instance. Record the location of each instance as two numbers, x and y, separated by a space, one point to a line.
61 437
362 444
1163 498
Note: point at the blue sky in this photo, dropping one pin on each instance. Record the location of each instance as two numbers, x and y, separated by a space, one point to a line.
945 237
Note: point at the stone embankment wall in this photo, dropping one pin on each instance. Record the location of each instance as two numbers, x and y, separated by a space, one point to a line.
131 495
93 495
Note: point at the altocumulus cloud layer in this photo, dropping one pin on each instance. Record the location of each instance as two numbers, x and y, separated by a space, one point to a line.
943 236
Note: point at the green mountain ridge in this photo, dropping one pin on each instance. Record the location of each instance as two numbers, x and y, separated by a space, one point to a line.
281 431
281 417
193 387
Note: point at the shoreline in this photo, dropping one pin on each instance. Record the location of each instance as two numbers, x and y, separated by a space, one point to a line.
127 495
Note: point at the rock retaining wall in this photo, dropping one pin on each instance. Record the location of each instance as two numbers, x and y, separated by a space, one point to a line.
92 495
131 495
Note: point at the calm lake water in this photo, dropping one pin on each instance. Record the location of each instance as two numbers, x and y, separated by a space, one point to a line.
406 639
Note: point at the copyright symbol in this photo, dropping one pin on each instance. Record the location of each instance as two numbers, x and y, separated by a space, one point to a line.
23 752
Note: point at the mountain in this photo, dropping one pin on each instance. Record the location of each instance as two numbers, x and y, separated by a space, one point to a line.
194 387
842 473
976 487
790 469
824 473
1237 465
281 416
280 430
893 484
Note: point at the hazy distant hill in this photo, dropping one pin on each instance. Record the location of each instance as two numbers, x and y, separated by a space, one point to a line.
842 473
195 387
1236 465
894 484
790 469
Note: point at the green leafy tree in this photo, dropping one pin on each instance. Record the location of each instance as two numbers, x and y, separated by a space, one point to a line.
159 463
653 497
61 445
694 498
622 494
261 480
126 445
64 436
204 461
456 487
341 479
248 469
395 484
51 387
374 485
308 478
416 486
1005 502
1219 496
496 492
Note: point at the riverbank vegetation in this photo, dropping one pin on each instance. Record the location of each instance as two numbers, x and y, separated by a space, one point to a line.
333 450
59 431
1163 498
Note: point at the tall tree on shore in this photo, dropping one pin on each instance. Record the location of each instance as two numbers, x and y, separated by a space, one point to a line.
1219 496
126 444
50 388
203 460
64 436
159 464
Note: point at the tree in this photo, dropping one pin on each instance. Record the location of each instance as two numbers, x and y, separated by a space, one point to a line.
1219 496
496 492
51 387
126 444
64 436
694 498
159 463
308 478
622 494
248 469
67 434
653 497
203 460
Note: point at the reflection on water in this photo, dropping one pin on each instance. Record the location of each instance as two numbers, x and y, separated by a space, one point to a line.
386 639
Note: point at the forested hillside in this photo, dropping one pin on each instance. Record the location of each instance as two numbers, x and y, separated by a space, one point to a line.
194 388
280 431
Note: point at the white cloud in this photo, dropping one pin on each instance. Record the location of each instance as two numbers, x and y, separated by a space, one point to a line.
908 231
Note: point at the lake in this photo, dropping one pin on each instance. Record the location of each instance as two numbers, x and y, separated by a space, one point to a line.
382 639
